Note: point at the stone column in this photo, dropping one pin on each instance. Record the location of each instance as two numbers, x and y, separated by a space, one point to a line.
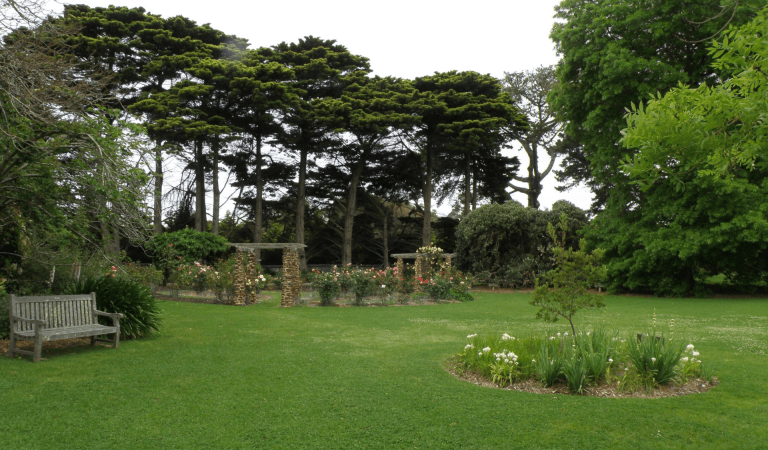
251 275
417 267
239 279
448 257
400 267
291 278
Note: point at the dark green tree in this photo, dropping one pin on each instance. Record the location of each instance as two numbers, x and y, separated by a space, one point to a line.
464 117
618 52
367 113
699 157
320 68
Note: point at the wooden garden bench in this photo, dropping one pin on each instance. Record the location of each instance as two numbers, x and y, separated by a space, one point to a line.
56 317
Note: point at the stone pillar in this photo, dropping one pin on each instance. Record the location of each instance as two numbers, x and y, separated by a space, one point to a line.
448 257
417 267
251 276
239 279
400 267
291 278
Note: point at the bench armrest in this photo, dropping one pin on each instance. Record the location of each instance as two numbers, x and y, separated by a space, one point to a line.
112 315
115 317
36 322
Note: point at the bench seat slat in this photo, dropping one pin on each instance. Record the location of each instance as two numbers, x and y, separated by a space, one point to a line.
54 334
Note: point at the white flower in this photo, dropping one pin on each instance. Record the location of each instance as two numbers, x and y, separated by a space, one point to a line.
479 353
551 337
684 359
533 360
506 361
689 347
506 337
695 353
468 346
610 360
564 334
487 349
470 336
558 334
653 359
383 286
587 333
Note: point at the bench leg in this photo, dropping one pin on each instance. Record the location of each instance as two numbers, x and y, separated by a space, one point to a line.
38 347
116 341
93 340
12 345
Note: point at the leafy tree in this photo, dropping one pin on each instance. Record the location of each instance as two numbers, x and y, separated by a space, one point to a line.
262 97
699 158
320 68
529 91
565 289
61 148
463 116
615 53
368 111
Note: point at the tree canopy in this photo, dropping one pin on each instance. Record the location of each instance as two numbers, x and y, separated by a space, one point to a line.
699 156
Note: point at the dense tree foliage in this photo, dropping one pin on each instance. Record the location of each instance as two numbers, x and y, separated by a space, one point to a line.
618 52
699 157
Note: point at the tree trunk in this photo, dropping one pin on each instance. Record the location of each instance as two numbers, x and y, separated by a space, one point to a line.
158 194
385 237
349 213
200 219
300 199
534 179
426 231
474 191
258 224
467 186
216 192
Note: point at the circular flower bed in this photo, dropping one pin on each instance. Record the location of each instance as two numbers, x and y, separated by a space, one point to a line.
595 363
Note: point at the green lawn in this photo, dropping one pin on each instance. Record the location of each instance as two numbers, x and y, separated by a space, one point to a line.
266 377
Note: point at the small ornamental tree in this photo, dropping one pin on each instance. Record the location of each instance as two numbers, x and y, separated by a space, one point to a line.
564 290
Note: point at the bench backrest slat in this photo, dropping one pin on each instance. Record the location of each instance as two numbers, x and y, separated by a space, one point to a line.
59 311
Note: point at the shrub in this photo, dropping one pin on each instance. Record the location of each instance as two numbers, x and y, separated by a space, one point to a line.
509 242
185 247
146 275
438 288
327 286
122 295
363 284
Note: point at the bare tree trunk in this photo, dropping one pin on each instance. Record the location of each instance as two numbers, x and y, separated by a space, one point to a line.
467 186
258 224
300 200
200 219
534 179
158 194
385 237
426 231
216 192
474 191
349 213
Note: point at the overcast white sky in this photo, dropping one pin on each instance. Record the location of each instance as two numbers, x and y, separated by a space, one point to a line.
402 38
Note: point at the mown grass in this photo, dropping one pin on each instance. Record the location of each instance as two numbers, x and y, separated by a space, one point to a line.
266 377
